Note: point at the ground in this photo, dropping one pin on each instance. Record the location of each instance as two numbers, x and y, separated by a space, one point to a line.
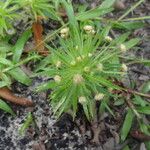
65 134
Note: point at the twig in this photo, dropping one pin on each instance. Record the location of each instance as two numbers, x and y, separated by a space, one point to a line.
7 94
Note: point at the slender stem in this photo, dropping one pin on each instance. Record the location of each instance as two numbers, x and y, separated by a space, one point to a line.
20 63
136 19
131 9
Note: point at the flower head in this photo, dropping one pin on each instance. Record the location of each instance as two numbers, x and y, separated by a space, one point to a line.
82 99
77 79
108 39
57 79
123 48
58 64
124 68
99 96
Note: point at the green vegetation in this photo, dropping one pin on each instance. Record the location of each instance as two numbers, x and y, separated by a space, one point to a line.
85 64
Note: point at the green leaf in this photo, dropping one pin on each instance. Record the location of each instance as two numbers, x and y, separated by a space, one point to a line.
20 76
120 39
4 106
19 46
126 148
127 124
128 25
107 83
119 102
5 61
86 111
3 83
46 86
93 13
26 124
107 4
146 87
144 110
131 43
140 101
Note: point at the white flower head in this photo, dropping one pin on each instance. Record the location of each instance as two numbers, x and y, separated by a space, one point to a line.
88 28
123 48
58 64
64 36
99 96
100 67
73 63
124 68
77 47
79 58
77 79
64 31
86 69
57 79
108 39
93 31
89 55
82 99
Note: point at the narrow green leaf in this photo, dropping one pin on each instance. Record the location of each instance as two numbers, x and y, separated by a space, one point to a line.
107 4
19 46
46 86
144 110
146 87
5 62
93 13
140 101
126 148
131 43
20 76
128 25
26 124
127 124
5 107
120 39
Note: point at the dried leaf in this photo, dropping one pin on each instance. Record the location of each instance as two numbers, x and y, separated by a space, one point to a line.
7 94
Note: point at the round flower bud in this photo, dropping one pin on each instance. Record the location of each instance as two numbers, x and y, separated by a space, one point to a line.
58 64
77 79
89 55
57 79
73 63
108 39
77 47
100 67
79 58
123 48
99 96
64 36
64 31
82 99
93 31
88 28
86 69
124 68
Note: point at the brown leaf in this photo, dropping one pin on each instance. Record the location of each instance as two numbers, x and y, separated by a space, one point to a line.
7 94
38 37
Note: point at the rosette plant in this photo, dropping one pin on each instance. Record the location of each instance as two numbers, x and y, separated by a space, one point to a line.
84 66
